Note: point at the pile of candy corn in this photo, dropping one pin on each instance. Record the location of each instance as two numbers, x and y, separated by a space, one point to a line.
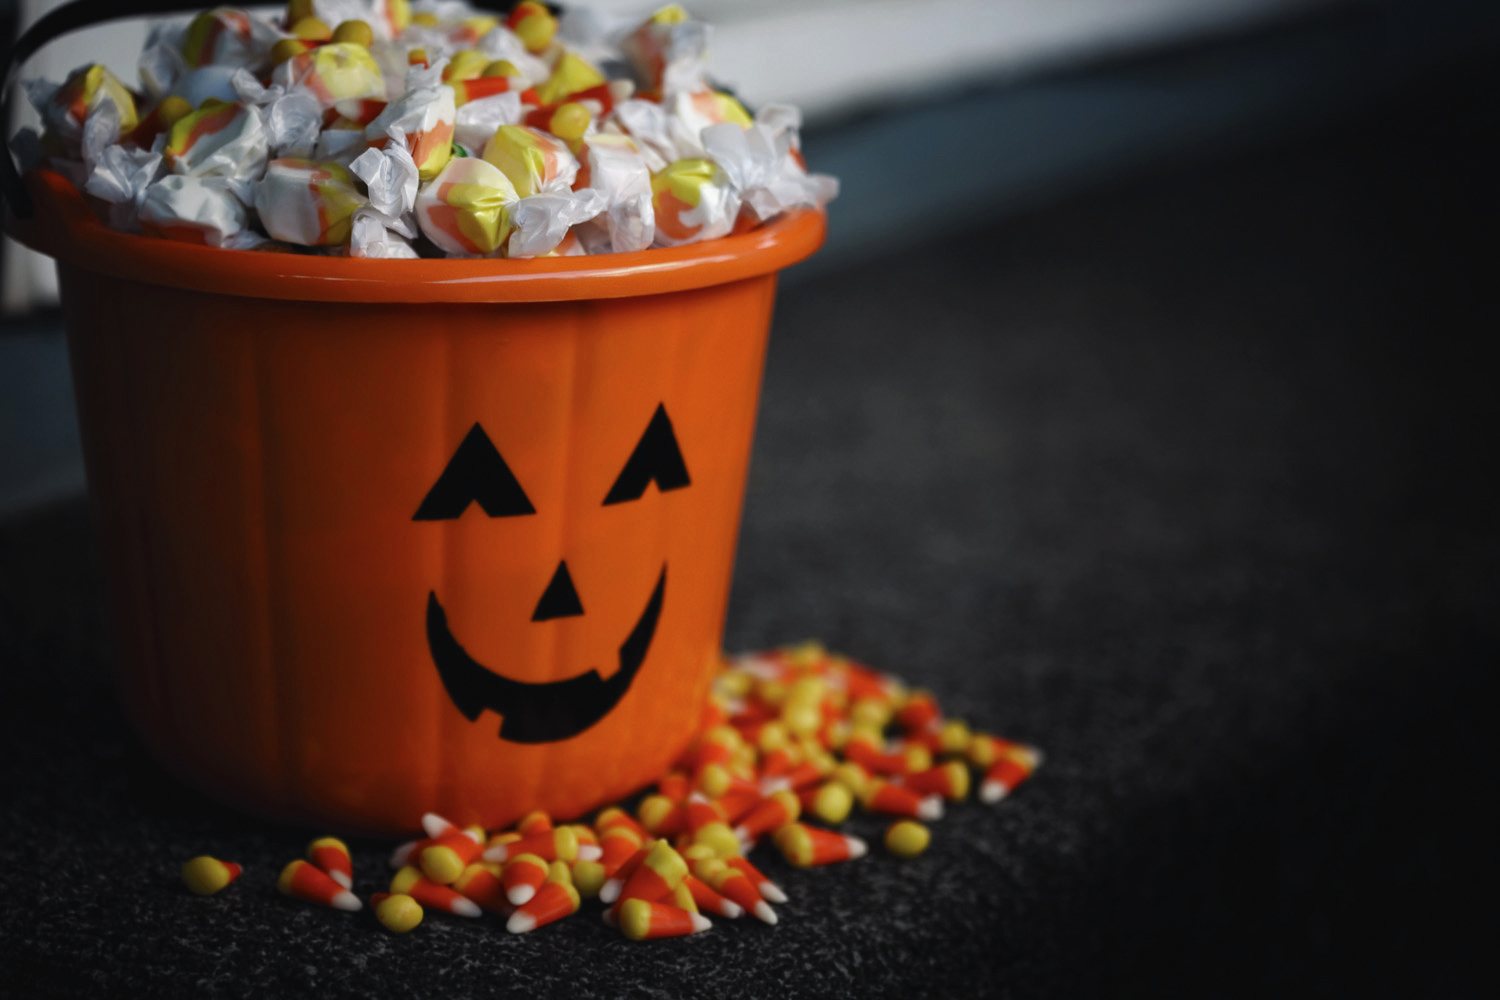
788 737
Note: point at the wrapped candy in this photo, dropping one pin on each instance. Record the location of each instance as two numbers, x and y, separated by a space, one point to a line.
533 160
466 208
336 72
375 234
613 166
227 36
357 126
693 200
646 123
542 221
217 140
193 210
422 119
476 121
689 113
119 177
667 50
571 74
291 117
87 91
760 166
307 202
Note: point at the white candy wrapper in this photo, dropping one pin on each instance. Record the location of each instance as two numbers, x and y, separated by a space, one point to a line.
333 73
542 221
390 177
216 82
617 170
159 67
502 43
422 121
689 113
646 122
667 52
340 144
378 235
223 140
227 36
760 166
121 174
308 202
291 119
192 209
694 201
477 120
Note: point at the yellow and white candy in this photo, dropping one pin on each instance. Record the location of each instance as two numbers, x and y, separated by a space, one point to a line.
308 202
466 208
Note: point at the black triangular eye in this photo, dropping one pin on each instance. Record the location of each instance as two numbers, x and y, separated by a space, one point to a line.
656 458
475 474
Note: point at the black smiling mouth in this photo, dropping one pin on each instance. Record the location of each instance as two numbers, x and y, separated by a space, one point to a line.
538 713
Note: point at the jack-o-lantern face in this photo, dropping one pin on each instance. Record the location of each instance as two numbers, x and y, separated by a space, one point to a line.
477 475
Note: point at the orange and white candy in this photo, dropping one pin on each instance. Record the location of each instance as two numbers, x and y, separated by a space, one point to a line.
308 202
218 140
306 882
643 920
332 855
692 200
808 846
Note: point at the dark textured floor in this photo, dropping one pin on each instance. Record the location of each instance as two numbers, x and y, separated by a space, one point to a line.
1181 481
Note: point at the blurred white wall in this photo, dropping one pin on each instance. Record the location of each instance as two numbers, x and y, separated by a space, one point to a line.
831 57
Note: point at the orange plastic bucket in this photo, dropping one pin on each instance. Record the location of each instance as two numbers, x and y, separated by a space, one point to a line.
385 536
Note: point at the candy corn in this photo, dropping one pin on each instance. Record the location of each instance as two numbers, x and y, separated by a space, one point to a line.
554 901
396 911
658 874
1007 773
332 855
560 844
642 920
768 889
907 838
205 876
482 886
897 800
775 811
310 884
431 895
524 874
705 897
807 846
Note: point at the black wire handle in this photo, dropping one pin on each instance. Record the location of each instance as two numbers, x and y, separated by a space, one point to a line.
81 14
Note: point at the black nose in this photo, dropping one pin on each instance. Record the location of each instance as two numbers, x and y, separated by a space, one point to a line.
560 599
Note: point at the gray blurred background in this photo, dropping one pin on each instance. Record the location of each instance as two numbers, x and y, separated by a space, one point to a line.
940 118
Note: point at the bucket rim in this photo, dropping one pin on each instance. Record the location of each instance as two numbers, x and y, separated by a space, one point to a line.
66 228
